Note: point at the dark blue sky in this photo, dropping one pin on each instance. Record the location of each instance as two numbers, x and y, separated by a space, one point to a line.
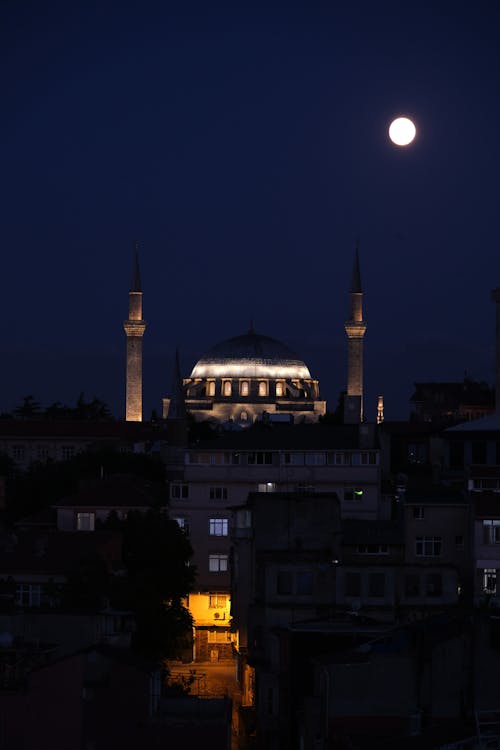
245 146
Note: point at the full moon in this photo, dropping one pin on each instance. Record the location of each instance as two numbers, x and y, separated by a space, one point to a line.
402 131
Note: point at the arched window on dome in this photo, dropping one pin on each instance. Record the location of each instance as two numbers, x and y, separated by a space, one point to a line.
244 416
211 388
226 388
262 388
244 388
279 389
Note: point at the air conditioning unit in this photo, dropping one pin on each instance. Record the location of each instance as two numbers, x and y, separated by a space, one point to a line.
219 615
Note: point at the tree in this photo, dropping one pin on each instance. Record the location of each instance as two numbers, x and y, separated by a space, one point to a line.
156 554
29 408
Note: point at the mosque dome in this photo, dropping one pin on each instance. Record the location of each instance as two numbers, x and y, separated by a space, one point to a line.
250 356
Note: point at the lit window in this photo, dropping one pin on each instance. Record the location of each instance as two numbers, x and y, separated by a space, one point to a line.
353 494
179 491
217 601
262 388
490 580
218 527
218 493
28 595
85 521
279 389
428 546
226 388
218 563
219 636
211 388
244 388
266 487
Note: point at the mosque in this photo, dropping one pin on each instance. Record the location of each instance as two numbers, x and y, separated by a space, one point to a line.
251 376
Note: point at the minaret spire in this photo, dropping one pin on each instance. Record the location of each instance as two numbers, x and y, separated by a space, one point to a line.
134 328
355 329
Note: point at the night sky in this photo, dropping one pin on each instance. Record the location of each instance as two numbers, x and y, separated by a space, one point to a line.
245 147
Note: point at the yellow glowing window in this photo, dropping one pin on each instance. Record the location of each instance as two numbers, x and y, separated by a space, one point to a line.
211 388
244 388
262 388
279 389
227 388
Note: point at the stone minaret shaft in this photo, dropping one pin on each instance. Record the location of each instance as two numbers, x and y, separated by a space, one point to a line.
134 330
355 329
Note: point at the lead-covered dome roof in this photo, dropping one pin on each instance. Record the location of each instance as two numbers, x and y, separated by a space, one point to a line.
252 356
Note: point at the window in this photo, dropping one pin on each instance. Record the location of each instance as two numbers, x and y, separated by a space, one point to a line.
412 584
262 388
279 389
67 451
218 527
478 452
418 513
433 584
353 494
226 388
315 459
260 458
42 453
218 493
243 519
18 452
376 585
428 546
217 601
232 458
294 459
459 542
211 387
183 524
491 530
266 487
28 595
456 455
244 416
85 521
285 582
244 389
219 636
218 563
352 584
179 491
373 549
490 581
304 583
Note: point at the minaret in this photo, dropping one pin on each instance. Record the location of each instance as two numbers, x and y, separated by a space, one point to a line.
355 329
134 329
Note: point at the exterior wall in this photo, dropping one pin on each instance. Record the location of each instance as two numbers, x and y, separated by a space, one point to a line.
212 647
67 517
205 470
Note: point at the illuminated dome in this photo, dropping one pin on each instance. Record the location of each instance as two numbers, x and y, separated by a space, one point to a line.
250 356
